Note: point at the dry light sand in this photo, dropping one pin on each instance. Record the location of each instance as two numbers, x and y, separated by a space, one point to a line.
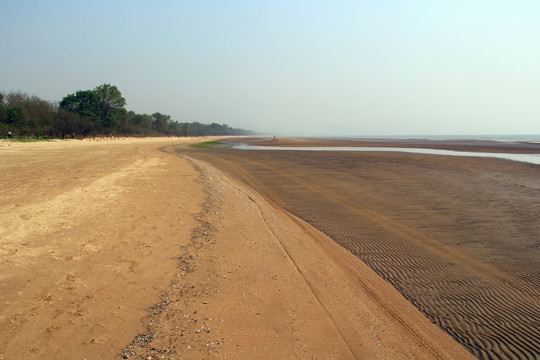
122 248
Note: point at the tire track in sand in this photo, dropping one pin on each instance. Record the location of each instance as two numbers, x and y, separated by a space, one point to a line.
351 269
495 320
490 337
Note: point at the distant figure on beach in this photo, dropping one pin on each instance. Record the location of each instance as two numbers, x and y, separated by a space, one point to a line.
73 135
9 134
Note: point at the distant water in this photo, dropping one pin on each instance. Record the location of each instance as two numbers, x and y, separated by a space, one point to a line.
502 138
528 158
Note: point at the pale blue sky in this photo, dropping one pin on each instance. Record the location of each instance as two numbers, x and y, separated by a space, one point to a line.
289 67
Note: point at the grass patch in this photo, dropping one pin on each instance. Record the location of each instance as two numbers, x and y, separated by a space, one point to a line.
523 186
27 139
206 145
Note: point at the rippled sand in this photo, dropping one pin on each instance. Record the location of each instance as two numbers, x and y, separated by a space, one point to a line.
458 237
120 248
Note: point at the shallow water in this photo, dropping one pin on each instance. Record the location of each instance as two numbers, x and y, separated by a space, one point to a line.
528 158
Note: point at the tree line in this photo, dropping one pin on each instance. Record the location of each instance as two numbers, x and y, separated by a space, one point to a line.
100 111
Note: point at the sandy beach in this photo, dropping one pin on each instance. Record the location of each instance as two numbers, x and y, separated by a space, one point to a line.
457 236
147 249
89 234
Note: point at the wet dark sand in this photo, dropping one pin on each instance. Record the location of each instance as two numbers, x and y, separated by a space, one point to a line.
459 237
475 145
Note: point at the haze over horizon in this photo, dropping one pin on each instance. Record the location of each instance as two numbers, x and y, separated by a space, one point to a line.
304 68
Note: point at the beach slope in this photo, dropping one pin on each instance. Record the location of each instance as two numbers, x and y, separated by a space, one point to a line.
123 248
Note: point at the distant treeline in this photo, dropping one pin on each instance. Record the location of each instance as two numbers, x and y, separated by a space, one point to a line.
100 111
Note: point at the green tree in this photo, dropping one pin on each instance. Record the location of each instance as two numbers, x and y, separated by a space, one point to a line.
109 100
92 112
29 114
105 104
161 123
142 123
83 102
14 115
2 109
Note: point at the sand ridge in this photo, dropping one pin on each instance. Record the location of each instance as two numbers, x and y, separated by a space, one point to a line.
99 235
457 236
263 284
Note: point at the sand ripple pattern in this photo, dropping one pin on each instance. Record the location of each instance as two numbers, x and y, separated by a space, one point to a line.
459 238
491 321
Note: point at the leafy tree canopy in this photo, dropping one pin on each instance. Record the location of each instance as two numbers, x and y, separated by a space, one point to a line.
101 103
92 112
109 98
83 102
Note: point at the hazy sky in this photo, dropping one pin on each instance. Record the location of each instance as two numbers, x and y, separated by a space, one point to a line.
289 67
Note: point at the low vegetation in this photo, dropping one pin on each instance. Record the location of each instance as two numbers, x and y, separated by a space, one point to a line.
207 144
100 111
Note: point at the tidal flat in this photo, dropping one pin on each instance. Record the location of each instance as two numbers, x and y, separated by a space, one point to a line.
458 237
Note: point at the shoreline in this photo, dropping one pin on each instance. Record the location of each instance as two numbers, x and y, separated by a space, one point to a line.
329 294
443 230
100 235
466 145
